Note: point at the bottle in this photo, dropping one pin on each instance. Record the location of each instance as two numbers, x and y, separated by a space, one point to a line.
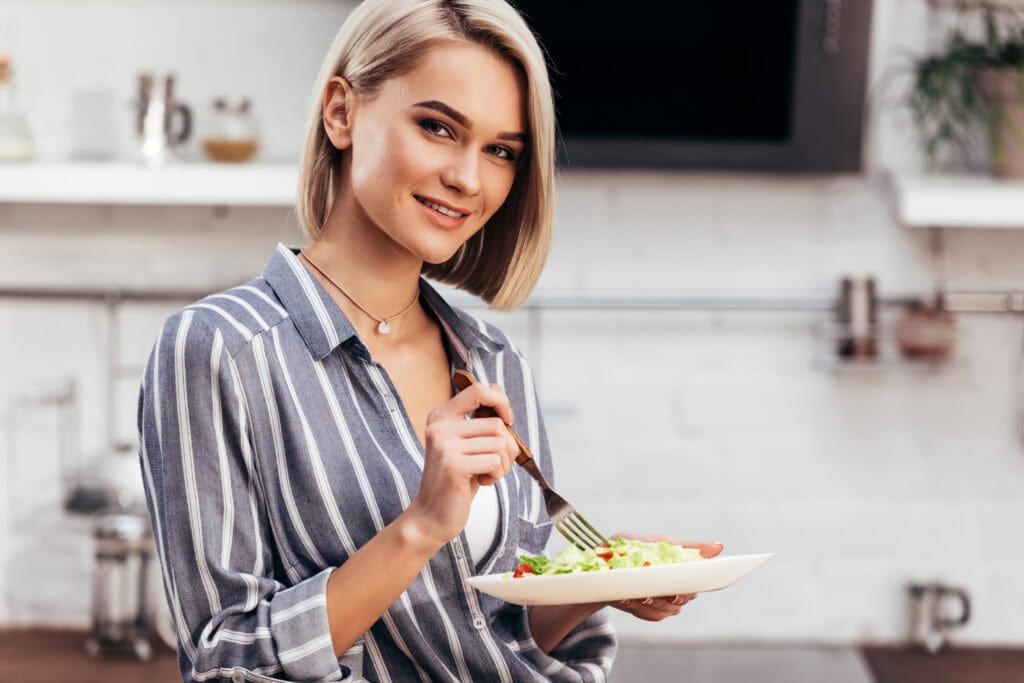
15 136
857 315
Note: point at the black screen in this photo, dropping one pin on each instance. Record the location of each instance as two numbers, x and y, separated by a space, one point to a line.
701 71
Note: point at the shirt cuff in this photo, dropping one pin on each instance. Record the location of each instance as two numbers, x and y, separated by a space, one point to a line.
301 631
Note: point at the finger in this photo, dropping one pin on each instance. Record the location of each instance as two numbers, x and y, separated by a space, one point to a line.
660 604
707 550
680 599
476 465
648 612
479 445
491 428
511 451
473 397
481 426
490 447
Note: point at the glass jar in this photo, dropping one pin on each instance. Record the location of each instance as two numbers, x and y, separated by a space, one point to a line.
15 136
233 136
926 332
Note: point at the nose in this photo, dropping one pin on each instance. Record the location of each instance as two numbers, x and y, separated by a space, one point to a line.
463 174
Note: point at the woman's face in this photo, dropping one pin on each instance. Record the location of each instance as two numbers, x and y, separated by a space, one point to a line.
433 155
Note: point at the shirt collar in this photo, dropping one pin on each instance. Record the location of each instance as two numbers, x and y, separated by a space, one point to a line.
324 326
461 324
314 313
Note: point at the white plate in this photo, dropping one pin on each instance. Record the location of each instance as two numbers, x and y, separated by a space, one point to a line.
621 584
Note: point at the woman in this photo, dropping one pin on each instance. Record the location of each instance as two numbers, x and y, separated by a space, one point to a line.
318 494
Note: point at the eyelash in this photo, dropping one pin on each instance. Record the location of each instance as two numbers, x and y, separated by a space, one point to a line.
430 125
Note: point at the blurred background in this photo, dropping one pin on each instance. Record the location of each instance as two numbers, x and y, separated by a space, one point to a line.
781 311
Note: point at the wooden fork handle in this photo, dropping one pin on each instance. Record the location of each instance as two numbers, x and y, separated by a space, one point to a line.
463 380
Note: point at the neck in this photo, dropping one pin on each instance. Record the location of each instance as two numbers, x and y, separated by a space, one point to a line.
370 268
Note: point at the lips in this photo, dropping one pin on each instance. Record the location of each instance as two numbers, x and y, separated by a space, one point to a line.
442 208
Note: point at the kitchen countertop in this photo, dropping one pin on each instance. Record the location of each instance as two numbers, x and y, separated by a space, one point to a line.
38 656
958 665
41 656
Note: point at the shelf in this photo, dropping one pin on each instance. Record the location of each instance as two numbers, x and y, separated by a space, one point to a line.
959 201
190 184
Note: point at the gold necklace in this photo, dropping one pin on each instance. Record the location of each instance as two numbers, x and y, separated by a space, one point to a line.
383 324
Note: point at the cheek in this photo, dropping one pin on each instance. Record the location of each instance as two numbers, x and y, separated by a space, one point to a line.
499 187
380 165
402 162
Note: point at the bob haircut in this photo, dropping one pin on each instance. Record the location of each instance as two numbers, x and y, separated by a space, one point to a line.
384 39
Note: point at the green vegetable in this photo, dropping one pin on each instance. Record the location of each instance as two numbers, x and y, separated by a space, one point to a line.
622 553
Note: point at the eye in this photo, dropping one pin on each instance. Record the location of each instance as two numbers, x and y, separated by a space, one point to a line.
505 153
435 127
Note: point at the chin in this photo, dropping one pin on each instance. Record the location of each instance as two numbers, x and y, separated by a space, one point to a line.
438 253
437 259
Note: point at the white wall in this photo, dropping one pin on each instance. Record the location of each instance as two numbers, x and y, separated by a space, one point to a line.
715 426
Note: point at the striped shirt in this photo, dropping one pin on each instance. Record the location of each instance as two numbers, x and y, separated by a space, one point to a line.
273 447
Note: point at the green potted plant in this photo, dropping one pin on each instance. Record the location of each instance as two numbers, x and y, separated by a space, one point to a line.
972 83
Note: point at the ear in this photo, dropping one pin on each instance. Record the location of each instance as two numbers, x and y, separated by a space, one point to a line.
336 106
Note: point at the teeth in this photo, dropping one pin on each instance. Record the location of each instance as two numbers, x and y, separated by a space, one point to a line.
441 209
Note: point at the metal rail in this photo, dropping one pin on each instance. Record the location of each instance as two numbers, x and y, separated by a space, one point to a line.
954 301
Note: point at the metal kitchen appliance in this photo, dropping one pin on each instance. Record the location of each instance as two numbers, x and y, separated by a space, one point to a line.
929 622
120 620
159 142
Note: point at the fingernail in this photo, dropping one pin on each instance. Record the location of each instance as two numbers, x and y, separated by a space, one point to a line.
647 601
625 603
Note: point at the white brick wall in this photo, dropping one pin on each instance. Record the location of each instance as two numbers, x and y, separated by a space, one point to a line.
713 426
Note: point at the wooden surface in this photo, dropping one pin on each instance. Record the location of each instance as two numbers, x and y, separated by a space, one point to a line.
51 656
960 665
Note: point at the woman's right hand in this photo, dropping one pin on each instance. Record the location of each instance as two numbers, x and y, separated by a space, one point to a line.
461 455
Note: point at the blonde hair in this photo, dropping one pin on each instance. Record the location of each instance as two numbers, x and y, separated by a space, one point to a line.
383 39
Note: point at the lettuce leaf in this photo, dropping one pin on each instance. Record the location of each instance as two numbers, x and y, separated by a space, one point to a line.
622 553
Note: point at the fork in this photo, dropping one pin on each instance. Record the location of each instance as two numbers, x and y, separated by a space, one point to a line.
564 516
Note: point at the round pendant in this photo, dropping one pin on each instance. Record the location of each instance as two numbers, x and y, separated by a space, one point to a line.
384 327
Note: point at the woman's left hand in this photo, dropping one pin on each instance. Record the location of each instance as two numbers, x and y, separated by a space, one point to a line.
658 608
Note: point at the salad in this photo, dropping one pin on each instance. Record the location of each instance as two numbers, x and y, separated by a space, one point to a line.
622 553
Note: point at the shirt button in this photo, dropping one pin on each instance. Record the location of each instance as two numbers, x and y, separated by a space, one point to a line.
238 677
479 623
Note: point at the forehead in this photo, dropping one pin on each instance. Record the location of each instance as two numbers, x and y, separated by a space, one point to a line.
488 90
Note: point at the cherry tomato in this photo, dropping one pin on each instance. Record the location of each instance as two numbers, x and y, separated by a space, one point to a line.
523 568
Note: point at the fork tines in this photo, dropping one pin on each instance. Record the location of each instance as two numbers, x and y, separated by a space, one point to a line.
580 532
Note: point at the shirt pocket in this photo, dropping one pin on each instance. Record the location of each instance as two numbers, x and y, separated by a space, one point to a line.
533 536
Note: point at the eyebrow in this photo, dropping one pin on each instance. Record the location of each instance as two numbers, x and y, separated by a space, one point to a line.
461 119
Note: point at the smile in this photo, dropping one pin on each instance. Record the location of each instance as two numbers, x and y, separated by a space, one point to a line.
440 209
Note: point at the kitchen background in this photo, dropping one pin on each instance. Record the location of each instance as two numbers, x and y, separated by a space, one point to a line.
724 425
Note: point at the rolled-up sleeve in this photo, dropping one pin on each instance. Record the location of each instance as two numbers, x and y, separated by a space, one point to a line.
234 620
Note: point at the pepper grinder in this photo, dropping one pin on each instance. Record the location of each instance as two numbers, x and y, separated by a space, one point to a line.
857 316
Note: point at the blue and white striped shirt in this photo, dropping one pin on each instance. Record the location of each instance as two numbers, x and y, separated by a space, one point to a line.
273 447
